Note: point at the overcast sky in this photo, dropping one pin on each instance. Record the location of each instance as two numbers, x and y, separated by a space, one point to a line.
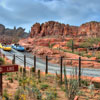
25 13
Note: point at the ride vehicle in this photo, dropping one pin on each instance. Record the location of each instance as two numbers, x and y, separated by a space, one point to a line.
0 45
18 47
6 48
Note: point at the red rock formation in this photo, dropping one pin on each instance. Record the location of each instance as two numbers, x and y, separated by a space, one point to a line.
90 29
55 28
52 28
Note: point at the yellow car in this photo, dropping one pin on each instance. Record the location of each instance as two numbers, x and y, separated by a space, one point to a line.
7 48
0 45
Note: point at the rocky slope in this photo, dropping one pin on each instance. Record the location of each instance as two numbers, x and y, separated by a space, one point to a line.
7 34
52 28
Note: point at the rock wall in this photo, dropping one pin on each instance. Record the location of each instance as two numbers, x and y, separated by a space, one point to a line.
19 32
54 28
8 35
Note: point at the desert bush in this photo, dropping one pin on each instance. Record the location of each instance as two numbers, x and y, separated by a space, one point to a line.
32 69
51 96
37 94
44 86
89 56
96 85
84 82
1 61
70 44
17 95
21 69
51 45
71 87
10 79
5 95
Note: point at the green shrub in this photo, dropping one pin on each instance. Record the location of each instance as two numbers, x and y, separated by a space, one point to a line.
5 95
51 45
16 78
10 79
18 93
89 56
32 69
44 86
1 61
51 96
37 93
21 69
71 87
84 82
96 85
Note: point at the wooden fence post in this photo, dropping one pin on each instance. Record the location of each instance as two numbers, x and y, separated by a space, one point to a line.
38 74
13 61
24 69
61 64
34 63
46 71
1 84
79 72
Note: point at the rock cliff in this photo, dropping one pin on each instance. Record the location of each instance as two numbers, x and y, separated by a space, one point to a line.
13 32
8 35
52 28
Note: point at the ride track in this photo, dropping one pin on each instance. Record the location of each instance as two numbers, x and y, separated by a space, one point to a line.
40 64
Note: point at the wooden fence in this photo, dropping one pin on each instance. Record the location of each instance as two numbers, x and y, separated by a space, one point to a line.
79 73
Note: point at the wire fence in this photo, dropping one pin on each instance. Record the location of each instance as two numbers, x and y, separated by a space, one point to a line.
78 67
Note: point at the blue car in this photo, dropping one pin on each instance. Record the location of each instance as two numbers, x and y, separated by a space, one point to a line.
18 47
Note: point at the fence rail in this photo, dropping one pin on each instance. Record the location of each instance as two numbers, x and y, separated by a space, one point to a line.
78 69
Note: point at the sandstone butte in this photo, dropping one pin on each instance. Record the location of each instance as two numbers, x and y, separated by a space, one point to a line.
55 28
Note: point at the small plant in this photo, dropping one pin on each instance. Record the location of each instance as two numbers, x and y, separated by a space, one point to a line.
84 82
96 85
70 44
32 69
18 94
71 87
44 86
1 61
91 88
51 45
21 69
37 93
51 95
10 79
5 95
16 78
89 56
80 93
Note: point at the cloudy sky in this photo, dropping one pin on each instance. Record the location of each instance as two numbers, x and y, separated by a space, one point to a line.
25 13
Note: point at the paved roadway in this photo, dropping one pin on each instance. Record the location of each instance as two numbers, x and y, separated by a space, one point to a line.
52 68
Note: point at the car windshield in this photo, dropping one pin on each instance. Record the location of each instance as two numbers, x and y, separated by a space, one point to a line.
7 46
19 46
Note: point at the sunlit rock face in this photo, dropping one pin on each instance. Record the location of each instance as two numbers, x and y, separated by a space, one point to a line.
52 28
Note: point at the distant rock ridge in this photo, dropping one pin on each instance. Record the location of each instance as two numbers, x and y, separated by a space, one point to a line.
11 35
55 28
19 32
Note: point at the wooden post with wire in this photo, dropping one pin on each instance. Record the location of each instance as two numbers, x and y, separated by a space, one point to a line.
61 65
46 71
79 79
24 69
34 63
13 61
